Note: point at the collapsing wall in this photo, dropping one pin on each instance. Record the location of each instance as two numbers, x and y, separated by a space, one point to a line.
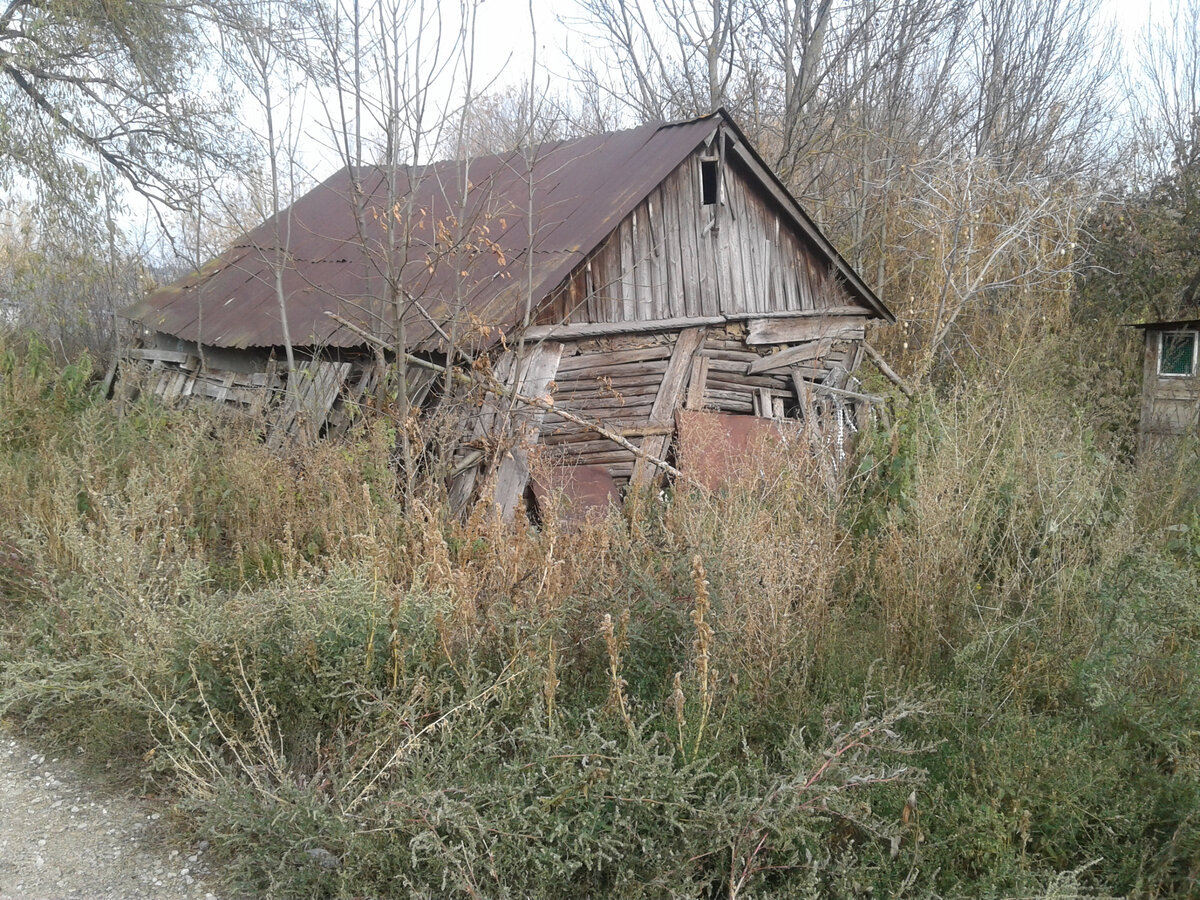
609 402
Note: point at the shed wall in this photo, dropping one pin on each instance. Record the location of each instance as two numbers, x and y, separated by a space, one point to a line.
1170 403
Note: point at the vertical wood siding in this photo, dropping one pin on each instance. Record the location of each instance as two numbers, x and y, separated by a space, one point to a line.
673 256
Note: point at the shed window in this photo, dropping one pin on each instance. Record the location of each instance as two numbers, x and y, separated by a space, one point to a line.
708 181
1177 353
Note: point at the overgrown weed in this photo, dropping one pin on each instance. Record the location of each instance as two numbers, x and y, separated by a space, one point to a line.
970 670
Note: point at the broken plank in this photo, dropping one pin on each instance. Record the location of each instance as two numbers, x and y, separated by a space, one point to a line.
663 412
790 356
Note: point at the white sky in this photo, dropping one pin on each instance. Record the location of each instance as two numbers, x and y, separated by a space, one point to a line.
504 55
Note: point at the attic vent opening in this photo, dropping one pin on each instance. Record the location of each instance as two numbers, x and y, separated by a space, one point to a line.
709 175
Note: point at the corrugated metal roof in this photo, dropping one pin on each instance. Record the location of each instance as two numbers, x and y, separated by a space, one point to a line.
464 266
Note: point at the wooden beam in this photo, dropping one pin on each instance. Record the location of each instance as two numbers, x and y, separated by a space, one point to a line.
789 357
584 330
795 212
795 331
603 329
663 412
858 311
842 392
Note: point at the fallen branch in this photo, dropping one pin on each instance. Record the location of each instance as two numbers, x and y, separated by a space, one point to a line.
888 373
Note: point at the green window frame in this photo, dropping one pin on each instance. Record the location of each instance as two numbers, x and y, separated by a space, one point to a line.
1177 353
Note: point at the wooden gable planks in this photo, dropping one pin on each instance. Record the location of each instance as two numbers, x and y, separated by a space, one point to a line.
643 264
687 229
627 291
671 249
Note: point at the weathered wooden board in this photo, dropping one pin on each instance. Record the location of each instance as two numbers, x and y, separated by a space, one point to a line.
512 474
697 382
790 356
800 330
668 398
311 392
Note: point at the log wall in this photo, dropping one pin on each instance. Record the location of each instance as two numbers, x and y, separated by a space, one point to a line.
634 383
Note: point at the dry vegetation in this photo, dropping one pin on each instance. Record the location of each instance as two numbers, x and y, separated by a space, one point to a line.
970 671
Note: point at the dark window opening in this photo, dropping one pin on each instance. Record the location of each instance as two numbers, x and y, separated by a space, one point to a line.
1177 353
708 181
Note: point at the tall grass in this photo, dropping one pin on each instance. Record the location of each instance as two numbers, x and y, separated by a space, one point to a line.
968 671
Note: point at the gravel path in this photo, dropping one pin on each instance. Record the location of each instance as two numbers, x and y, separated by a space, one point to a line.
61 838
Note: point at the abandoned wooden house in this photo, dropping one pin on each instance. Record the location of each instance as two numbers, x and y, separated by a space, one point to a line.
638 283
1170 379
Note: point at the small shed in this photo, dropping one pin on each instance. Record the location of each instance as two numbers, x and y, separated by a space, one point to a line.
1170 379
617 280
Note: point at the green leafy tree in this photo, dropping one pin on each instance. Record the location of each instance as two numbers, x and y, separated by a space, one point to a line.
98 92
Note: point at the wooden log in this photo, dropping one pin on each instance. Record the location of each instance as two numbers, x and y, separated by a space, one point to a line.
582 435
624 387
853 311
604 329
580 331
607 458
743 356
585 362
643 397
740 403
590 378
748 383
720 396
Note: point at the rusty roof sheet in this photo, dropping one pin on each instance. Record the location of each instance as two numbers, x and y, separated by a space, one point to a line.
462 257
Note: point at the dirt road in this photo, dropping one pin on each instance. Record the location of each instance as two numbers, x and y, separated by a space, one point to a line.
61 837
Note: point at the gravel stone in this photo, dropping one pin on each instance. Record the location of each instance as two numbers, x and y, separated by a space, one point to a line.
62 838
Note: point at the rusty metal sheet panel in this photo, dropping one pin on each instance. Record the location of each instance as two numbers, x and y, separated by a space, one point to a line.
567 198
580 494
719 448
